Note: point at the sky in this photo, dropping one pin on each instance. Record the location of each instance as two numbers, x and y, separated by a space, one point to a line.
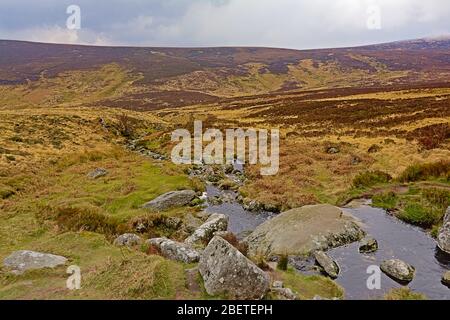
298 24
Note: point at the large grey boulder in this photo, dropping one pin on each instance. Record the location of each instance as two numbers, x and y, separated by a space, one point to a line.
175 250
304 230
227 271
216 222
444 233
328 265
127 240
170 200
398 270
21 261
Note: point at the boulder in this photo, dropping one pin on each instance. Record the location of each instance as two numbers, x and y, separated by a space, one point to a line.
21 261
216 222
170 200
173 223
328 265
368 245
284 293
227 271
446 279
127 240
175 250
398 270
443 239
98 173
304 230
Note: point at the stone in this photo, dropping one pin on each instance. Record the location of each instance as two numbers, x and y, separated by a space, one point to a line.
170 200
216 222
98 173
374 148
173 223
227 271
443 239
23 260
368 245
398 270
333 150
284 293
175 250
446 279
302 231
328 265
127 240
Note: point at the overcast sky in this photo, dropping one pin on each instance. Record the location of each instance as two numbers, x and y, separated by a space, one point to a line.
274 23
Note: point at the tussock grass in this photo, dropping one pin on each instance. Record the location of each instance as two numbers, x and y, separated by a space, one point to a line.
426 171
404 294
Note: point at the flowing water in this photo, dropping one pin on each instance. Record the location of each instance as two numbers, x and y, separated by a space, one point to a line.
396 240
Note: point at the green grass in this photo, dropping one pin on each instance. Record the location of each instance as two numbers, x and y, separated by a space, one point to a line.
404 294
307 287
417 214
371 178
424 207
64 212
386 200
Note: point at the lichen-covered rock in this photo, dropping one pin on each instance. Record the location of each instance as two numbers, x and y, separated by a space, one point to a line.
398 270
98 173
216 222
170 200
21 261
175 250
304 230
328 265
227 271
127 240
368 245
443 239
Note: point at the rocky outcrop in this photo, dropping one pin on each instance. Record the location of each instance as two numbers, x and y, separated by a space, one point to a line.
304 230
127 240
446 279
443 239
216 222
368 245
227 271
328 265
98 173
175 250
398 270
281 292
21 261
170 200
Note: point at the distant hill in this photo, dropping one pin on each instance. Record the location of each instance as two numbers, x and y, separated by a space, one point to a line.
205 74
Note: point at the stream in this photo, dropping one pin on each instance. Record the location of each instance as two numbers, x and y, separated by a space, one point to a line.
396 239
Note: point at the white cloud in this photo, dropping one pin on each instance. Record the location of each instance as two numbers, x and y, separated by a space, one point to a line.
57 34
